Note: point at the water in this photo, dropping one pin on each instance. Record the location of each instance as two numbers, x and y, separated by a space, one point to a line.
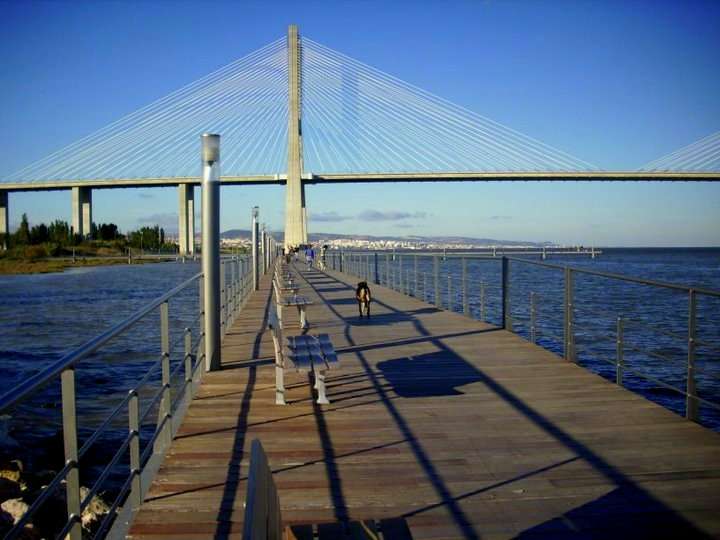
655 319
43 316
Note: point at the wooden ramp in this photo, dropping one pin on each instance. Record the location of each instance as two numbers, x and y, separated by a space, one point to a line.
454 427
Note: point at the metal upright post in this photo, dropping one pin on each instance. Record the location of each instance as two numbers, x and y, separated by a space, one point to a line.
436 276
415 264
506 321
72 480
533 319
620 351
166 402
263 250
377 273
691 402
134 449
466 303
387 270
400 273
569 348
223 297
450 302
482 301
255 259
211 247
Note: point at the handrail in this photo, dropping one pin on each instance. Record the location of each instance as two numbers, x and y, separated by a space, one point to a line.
70 359
235 291
621 277
448 290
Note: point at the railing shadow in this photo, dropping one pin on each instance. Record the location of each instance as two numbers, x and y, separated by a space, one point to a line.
601 514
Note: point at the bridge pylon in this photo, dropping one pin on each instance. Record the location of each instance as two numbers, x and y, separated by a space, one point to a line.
295 211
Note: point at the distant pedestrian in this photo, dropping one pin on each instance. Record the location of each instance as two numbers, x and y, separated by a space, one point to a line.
309 257
321 265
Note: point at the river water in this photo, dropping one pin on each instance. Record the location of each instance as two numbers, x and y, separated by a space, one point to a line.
43 316
655 319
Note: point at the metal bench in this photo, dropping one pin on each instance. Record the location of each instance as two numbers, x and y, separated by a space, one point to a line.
314 354
309 354
288 297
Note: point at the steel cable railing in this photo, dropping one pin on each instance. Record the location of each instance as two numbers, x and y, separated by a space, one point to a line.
565 321
182 380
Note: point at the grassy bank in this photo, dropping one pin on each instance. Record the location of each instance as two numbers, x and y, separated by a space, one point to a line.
45 258
45 266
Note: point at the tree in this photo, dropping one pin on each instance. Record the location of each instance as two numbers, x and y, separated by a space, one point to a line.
59 232
39 234
107 231
22 236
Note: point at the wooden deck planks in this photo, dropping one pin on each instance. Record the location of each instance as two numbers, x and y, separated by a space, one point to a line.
458 428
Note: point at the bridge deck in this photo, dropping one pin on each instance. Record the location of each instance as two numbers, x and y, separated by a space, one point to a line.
459 428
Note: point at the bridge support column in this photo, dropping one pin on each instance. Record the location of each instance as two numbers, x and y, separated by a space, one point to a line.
186 218
82 210
295 213
4 220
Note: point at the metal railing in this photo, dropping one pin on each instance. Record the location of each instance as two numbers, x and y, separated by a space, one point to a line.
178 384
455 291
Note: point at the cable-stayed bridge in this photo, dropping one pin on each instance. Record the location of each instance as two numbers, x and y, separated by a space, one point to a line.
296 112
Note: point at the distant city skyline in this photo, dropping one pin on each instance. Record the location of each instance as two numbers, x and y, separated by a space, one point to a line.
615 83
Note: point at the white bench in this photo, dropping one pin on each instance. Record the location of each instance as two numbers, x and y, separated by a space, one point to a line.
309 354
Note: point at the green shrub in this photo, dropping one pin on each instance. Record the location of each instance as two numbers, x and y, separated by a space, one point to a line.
34 253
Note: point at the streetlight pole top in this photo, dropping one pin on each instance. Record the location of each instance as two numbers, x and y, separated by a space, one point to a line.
210 148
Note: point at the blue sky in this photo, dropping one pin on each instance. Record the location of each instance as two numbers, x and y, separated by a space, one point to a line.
616 83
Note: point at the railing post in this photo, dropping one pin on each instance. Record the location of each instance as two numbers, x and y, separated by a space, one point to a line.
450 302
211 247
465 300
400 273
569 348
482 301
166 402
620 351
342 255
254 248
387 270
436 279
134 427
223 300
506 318
69 417
415 288
533 319
424 286
691 402
377 273
188 357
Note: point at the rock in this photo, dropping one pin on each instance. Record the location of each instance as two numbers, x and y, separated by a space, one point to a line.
15 507
94 512
11 470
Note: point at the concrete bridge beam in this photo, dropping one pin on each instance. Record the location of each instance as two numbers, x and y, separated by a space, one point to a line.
4 219
82 210
186 218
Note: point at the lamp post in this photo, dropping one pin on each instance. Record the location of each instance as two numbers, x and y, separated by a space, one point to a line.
211 247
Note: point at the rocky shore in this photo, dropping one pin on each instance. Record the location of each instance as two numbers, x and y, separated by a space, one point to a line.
19 487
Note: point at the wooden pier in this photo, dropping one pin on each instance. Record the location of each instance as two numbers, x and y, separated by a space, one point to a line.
454 427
